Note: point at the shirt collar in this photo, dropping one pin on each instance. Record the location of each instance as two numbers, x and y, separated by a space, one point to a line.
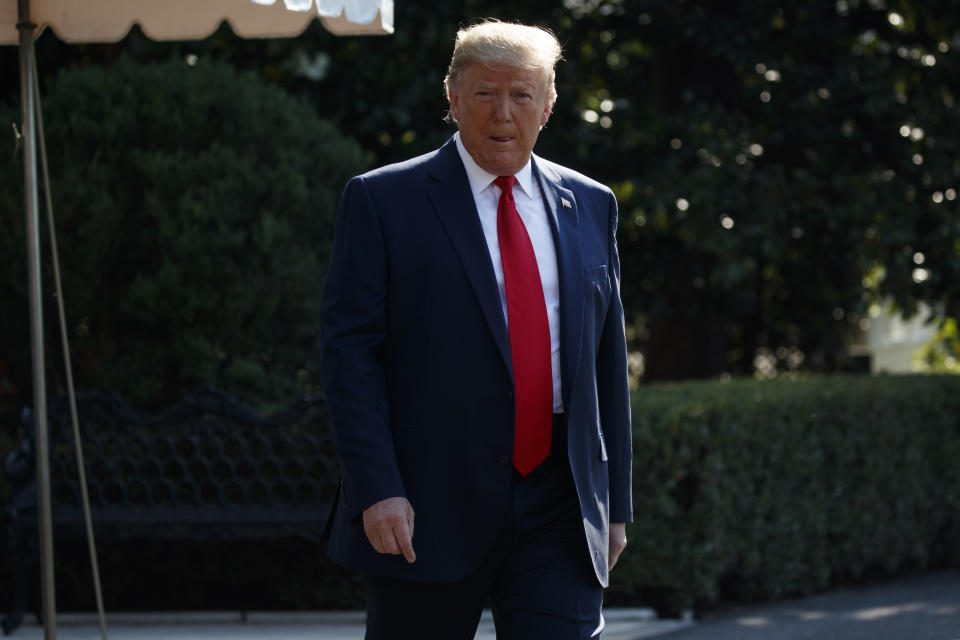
480 178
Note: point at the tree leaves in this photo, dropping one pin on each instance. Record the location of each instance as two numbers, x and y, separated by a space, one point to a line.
194 206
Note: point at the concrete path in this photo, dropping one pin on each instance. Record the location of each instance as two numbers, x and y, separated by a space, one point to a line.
922 608
622 624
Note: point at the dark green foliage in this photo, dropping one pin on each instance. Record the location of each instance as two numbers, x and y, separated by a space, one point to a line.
782 119
780 167
194 210
759 490
800 123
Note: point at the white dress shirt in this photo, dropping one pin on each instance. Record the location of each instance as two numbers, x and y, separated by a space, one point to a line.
533 213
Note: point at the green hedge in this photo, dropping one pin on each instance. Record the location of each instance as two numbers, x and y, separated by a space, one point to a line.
750 490
743 490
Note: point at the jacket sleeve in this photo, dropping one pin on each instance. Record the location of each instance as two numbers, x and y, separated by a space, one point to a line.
354 327
613 389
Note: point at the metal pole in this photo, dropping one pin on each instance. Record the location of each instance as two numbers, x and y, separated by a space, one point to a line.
36 319
67 364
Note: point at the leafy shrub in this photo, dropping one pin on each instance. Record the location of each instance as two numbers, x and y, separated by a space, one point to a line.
194 210
757 490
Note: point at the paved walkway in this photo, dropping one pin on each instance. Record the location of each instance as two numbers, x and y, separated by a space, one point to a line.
921 608
622 624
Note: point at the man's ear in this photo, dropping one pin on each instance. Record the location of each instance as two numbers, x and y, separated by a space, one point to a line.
547 110
454 99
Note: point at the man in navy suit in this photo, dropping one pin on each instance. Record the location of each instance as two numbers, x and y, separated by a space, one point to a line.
474 364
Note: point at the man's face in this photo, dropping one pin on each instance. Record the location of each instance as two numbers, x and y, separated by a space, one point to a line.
500 111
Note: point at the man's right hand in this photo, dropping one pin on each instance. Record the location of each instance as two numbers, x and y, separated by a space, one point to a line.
389 527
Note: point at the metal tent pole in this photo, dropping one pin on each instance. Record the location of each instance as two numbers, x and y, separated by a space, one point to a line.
36 318
67 364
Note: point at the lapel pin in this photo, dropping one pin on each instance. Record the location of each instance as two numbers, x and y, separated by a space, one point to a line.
565 203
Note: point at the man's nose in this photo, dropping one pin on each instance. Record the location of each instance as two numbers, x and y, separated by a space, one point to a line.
501 109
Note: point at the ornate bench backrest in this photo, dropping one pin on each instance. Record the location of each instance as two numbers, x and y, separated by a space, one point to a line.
208 452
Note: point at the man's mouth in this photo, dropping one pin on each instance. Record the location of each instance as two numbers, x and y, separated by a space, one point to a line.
501 138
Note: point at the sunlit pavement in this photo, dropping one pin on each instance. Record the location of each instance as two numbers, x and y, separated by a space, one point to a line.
923 608
621 624
926 607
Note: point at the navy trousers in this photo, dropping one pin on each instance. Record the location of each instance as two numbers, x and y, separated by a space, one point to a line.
538 578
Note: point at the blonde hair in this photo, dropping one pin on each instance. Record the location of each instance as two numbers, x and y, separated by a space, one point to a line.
495 43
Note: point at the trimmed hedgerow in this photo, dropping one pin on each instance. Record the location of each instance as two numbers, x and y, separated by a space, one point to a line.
751 490
743 490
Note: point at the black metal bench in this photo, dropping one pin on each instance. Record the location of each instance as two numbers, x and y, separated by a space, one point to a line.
207 469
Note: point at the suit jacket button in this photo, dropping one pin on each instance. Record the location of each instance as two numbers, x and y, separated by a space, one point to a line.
510 395
504 459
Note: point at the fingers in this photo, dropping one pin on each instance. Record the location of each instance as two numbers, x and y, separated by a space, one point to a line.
388 525
618 542
405 542
406 545
614 556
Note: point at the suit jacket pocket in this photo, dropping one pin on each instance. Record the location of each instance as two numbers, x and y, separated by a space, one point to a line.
595 274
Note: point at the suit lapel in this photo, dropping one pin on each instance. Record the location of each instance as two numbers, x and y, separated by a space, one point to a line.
449 191
565 220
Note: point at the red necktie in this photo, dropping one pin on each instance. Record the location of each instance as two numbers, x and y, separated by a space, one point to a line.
529 336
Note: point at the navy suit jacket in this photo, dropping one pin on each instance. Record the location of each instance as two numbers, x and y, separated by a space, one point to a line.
417 373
